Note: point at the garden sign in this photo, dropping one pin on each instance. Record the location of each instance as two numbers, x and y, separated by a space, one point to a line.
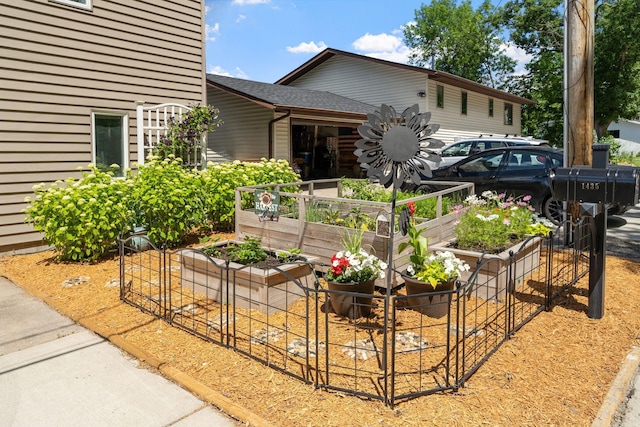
266 205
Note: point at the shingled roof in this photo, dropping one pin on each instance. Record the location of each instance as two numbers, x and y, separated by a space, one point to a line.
288 97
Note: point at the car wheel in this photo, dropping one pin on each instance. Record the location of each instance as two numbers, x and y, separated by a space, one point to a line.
553 210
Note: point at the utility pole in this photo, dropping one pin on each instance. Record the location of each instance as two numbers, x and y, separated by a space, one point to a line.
578 92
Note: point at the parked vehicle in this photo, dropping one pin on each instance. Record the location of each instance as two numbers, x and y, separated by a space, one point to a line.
459 150
516 170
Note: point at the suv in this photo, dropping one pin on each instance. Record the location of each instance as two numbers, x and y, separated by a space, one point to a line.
457 151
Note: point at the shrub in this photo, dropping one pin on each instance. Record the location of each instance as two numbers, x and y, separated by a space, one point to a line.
82 218
221 179
169 199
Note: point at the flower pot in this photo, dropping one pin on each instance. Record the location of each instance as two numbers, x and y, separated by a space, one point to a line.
352 306
435 305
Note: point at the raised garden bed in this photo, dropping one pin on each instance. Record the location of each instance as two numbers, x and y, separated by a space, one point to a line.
295 229
266 288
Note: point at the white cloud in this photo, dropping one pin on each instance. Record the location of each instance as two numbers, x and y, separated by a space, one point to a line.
377 43
222 72
206 9
243 2
383 46
241 18
211 32
310 47
400 55
521 57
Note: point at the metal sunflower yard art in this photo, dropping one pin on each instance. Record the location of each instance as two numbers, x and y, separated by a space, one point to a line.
394 149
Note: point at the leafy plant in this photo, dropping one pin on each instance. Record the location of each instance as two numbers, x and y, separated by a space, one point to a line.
417 242
184 133
169 199
492 222
289 255
221 179
248 252
82 218
441 267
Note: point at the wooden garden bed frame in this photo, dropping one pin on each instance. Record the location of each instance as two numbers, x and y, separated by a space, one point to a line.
323 240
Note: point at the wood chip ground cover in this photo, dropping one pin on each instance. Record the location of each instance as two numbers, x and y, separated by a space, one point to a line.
556 370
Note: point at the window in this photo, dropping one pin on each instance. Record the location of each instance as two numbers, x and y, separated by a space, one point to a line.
440 97
109 137
84 4
463 110
490 107
508 114
615 133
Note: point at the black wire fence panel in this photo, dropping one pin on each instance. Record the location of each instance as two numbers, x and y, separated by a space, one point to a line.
404 347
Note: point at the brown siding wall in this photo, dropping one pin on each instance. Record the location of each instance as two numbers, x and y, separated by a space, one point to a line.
59 63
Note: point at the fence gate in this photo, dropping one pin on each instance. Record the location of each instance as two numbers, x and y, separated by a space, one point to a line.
152 124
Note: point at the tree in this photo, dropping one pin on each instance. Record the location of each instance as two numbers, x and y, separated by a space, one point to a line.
460 41
617 63
537 26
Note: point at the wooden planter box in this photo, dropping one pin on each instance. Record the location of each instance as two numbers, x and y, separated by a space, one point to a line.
324 240
492 278
266 290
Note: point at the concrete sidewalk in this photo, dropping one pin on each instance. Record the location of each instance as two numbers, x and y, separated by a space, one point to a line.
56 373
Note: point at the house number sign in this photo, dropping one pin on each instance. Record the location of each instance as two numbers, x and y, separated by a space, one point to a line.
590 185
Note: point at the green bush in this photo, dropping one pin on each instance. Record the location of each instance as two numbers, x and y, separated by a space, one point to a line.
169 199
221 179
82 218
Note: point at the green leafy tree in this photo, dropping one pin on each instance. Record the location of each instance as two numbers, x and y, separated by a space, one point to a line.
461 41
616 63
537 26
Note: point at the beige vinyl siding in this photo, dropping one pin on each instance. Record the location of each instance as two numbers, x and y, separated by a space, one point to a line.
282 139
378 84
244 133
365 82
454 124
62 63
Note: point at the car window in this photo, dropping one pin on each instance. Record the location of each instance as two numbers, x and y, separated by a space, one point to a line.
481 164
486 145
457 149
519 160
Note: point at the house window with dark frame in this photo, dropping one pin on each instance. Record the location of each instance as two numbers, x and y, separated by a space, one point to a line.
490 107
508 113
615 133
463 100
84 4
109 141
440 96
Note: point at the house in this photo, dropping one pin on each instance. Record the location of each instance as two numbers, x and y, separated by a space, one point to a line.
627 133
72 72
461 107
313 129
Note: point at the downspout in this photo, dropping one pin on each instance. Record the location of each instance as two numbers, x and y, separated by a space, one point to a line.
271 122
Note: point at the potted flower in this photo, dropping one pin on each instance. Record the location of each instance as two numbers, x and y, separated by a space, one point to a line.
497 230
353 270
428 272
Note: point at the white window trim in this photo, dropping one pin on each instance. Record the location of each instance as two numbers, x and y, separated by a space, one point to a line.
125 134
88 4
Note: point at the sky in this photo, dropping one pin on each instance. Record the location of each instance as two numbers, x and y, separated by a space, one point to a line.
264 40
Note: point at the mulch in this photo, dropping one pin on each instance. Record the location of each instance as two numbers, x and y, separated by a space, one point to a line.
555 371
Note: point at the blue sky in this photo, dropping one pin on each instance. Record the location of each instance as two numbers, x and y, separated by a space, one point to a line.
263 40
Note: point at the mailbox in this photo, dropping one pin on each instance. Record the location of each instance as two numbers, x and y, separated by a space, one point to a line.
614 185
